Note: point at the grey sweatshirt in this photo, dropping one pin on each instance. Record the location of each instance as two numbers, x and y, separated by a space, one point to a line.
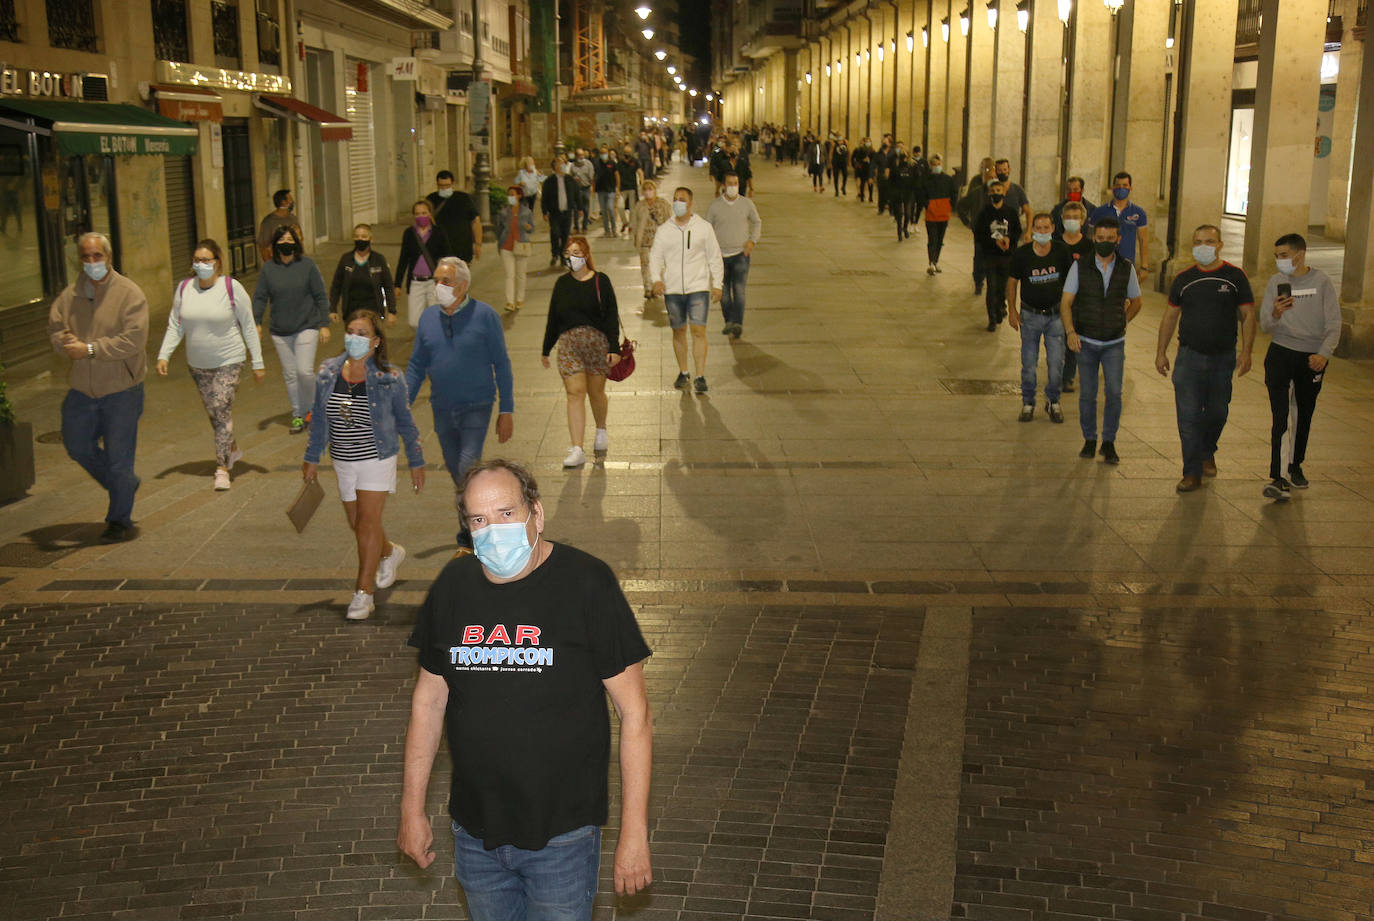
296 292
735 222
1314 323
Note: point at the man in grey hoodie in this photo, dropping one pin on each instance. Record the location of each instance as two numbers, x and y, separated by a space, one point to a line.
1304 320
738 227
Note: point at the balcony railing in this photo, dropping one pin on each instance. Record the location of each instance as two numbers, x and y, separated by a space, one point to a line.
224 18
170 40
9 23
71 24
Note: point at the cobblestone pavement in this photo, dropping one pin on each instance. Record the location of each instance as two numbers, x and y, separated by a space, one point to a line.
912 660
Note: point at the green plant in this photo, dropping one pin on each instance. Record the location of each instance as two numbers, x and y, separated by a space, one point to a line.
573 142
496 193
6 407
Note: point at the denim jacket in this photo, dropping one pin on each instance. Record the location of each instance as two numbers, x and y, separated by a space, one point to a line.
388 405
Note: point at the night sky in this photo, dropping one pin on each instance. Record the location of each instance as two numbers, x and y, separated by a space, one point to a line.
695 30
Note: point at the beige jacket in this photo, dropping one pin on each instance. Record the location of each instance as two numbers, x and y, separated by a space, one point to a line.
113 317
645 218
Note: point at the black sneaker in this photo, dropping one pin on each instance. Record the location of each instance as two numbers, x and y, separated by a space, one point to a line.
682 381
1109 453
700 384
1278 489
1089 448
992 327
115 533
1296 478
1056 414
1067 388
737 331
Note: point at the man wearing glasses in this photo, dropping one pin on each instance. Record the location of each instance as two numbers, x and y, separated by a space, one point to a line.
460 347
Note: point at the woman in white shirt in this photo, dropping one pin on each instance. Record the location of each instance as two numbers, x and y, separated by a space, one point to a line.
214 314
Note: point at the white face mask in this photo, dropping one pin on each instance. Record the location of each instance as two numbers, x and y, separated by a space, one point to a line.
577 263
445 294
732 191
1286 266
1072 226
1204 254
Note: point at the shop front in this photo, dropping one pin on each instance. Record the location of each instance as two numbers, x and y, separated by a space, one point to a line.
61 165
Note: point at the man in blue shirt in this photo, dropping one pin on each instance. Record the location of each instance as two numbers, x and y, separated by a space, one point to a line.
1130 219
1095 309
459 345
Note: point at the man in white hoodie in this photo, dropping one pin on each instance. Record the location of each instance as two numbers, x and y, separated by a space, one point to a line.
738 227
686 268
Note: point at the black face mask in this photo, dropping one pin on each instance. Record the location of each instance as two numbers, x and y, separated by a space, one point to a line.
285 249
1003 176
1104 248
360 245
995 199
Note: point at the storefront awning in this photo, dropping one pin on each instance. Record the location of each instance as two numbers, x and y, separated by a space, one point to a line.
332 127
189 103
105 127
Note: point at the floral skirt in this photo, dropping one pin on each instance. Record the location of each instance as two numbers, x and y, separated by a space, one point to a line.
582 350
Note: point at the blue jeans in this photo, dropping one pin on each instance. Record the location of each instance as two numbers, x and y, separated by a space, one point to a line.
607 200
462 431
100 434
1034 326
732 297
1112 360
1202 397
555 883
687 308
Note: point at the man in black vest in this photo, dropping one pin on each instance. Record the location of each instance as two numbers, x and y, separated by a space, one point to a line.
1100 298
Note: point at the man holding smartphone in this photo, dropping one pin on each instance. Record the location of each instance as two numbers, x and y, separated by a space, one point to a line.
1302 313
1204 301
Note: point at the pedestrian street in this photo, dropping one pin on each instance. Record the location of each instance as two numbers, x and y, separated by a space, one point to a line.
913 660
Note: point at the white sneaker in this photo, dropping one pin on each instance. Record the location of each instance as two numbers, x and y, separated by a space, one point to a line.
221 479
360 607
235 455
603 440
575 458
387 566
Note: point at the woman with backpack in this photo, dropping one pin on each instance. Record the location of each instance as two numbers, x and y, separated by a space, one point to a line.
214 315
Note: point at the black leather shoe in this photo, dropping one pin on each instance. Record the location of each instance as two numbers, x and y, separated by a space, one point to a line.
1109 453
115 533
1089 448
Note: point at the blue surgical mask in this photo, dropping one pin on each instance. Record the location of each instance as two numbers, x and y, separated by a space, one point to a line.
204 270
1204 255
357 346
1041 238
503 549
679 208
1285 266
1121 194
1072 226
95 271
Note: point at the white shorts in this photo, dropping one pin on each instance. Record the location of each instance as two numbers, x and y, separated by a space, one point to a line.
367 475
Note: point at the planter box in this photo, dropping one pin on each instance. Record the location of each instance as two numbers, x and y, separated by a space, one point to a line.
16 460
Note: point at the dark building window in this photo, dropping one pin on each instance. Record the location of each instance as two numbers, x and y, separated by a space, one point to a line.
225 21
9 25
71 24
269 36
169 30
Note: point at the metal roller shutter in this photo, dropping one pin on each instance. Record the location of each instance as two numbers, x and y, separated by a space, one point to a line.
362 156
181 213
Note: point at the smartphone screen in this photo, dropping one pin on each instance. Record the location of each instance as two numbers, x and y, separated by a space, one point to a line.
1285 289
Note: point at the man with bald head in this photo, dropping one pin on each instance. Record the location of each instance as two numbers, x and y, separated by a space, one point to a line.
519 646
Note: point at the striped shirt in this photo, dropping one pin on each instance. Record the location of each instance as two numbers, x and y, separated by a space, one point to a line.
350 422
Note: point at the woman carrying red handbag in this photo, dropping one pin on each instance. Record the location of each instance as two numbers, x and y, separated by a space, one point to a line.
584 323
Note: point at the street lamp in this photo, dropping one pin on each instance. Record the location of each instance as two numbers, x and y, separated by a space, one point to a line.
827 70
910 42
944 29
925 36
1065 9
880 53
963 22
839 66
660 54
1023 15
693 93
643 11
647 33
992 14
1113 6
671 70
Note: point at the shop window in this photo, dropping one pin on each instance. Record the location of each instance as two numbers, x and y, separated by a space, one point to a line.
269 37
9 23
169 30
224 18
71 24
21 271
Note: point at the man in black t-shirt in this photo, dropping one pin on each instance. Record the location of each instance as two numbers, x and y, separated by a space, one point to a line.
455 213
1038 269
519 646
1204 302
995 232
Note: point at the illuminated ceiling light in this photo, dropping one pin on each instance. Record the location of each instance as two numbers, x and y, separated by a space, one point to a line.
1023 15
693 93
808 78
1065 10
839 67
710 97
963 22
681 88
671 70
911 41
892 45
856 60
660 54
643 11
647 33
827 70
1113 6
944 28
880 52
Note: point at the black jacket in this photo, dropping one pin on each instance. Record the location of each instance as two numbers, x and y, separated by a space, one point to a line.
438 246
340 289
548 201
1002 219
